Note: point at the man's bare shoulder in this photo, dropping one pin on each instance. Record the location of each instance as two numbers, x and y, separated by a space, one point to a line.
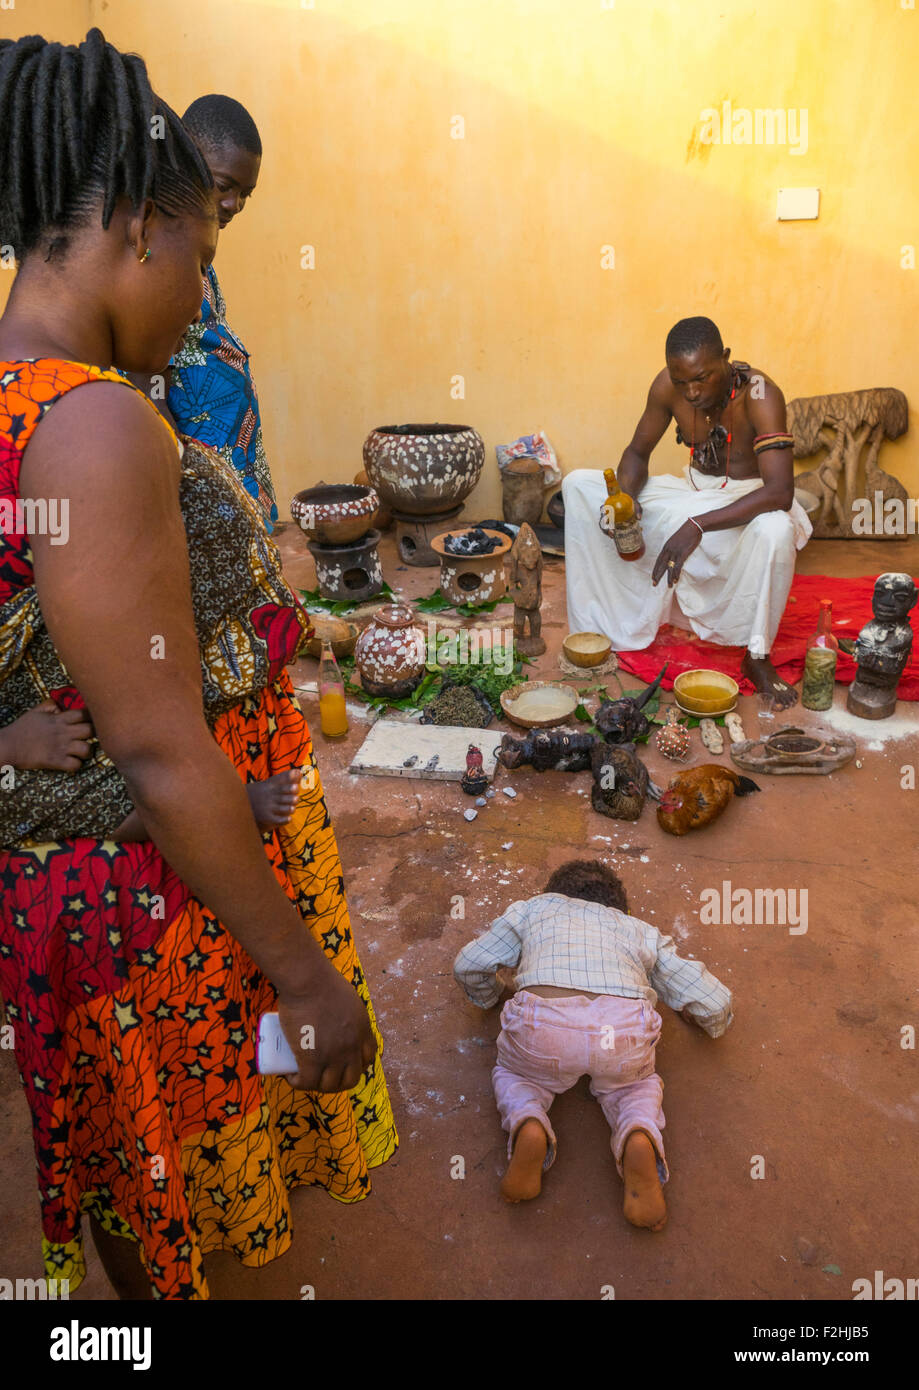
662 389
762 387
765 403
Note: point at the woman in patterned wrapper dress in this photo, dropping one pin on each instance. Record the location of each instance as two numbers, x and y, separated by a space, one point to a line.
134 973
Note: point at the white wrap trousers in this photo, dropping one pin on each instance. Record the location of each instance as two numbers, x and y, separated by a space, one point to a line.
732 589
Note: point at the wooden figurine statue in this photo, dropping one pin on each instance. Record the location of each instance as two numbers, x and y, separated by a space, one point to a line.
852 426
525 588
474 780
882 648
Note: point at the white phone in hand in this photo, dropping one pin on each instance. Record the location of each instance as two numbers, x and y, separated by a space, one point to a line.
275 1055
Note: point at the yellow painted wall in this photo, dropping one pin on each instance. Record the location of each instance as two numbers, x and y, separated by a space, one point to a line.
481 257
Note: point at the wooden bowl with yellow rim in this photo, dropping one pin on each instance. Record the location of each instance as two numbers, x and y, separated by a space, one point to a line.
705 693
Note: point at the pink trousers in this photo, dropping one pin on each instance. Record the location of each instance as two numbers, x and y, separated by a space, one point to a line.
545 1045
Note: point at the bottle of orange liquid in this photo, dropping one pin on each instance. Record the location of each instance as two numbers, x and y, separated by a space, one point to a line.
333 716
620 521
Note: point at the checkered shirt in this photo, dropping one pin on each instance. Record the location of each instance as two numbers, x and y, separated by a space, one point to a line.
572 944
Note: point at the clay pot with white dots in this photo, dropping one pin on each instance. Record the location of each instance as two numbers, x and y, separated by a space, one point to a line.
423 470
390 653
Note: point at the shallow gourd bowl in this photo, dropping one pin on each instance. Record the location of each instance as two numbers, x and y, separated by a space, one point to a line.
340 634
586 648
685 686
539 704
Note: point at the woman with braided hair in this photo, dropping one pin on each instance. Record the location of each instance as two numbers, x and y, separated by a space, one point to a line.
134 973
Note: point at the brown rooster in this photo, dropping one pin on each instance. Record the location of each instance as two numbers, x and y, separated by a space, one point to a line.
699 795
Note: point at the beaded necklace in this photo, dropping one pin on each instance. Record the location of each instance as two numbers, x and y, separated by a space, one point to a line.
717 435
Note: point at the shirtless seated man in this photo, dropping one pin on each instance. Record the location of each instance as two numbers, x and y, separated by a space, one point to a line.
723 536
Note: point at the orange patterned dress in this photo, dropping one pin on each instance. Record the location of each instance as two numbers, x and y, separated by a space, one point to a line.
134 1010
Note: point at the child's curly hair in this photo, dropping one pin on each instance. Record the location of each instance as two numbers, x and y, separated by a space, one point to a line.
588 879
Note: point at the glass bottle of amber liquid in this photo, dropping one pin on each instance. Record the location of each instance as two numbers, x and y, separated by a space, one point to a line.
619 519
820 662
333 716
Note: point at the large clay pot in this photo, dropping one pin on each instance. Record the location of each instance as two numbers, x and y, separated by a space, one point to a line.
423 469
390 652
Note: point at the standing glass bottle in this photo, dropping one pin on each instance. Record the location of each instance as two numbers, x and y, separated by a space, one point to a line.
820 662
333 715
618 519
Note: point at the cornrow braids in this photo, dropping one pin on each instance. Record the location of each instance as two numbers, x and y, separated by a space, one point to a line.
689 335
80 125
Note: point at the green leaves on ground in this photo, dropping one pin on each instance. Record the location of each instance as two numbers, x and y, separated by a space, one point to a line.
485 674
339 608
693 721
313 602
438 603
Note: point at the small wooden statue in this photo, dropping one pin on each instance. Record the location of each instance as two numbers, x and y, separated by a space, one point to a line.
882 648
525 588
474 780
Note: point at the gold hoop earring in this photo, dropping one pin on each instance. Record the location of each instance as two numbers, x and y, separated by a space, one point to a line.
145 256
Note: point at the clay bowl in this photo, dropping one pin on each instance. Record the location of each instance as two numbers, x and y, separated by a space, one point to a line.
342 636
586 648
438 546
690 703
383 517
539 704
336 513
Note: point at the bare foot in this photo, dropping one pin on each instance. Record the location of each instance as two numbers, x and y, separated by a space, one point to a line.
48 737
273 800
766 679
523 1179
644 1203
272 803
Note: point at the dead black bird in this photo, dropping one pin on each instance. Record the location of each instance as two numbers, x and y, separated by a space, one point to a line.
548 748
620 781
622 721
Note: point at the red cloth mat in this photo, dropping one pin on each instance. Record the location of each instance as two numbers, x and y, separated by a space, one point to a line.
851 610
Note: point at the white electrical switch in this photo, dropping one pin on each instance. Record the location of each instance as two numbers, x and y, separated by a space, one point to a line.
798 204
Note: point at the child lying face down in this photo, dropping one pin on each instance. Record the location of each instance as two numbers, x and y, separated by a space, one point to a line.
57 741
588 976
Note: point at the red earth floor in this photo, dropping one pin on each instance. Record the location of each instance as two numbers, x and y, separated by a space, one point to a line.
811 1079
